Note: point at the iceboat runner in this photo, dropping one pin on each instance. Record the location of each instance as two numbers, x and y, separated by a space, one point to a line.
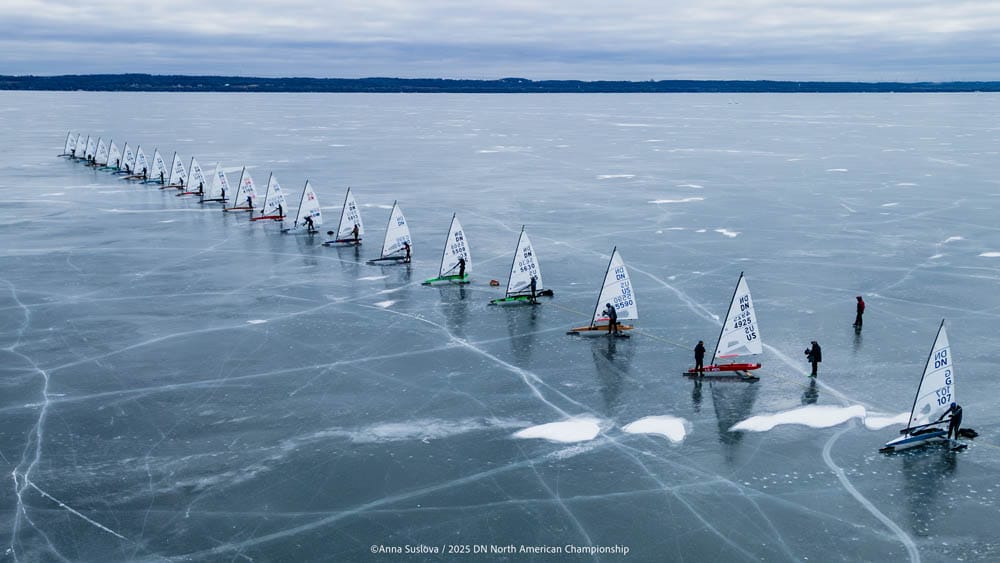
455 248
397 245
274 204
178 174
617 292
523 268
739 336
350 217
245 198
935 394
309 217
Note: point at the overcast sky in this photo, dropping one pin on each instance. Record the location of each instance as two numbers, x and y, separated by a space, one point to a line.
868 40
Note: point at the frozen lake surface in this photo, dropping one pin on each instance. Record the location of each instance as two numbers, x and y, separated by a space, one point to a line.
181 384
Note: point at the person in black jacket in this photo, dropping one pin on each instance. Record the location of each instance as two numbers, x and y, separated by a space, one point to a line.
815 356
955 422
699 358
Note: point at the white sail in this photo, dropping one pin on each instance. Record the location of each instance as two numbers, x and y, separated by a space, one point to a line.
91 147
397 232
159 166
196 177
350 215
245 189
220 185
77 147
455 247
308 207
70 144
617 290
128 158
178 174
114 155
81 148
739 335
101 156
937 387
273 198
140 162
524 267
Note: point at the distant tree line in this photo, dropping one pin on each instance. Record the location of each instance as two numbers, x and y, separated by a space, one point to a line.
178 83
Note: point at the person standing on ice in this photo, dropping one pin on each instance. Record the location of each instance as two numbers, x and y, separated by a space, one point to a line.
861 311
699 357
612 316
815 356
955 422
461 268
308 224
534 290
406 247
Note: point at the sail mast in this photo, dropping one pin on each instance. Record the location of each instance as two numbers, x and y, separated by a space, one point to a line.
930 356
343 213
723 330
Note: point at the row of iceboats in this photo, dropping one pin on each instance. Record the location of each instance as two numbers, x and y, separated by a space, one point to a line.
739 336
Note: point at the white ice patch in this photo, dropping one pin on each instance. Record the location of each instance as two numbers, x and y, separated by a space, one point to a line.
631 124
702 231
905 184
695 186
951 239
384 304
990 254
425 429
614 176
873 422
53 194
936 256
372 278
890 204
836 170
168 221
256 321
682 200
670 427
816 416
727 232
574 430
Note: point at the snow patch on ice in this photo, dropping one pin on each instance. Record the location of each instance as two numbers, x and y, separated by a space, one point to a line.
682 200
670 427
905 184
875 422
696 186
425 429
702 231
256 321
53 194
614 176
168 221
836 170
574 430
990 254
727 232
816 416
631 124
372 278
952 239
936 256
890 204
385 304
